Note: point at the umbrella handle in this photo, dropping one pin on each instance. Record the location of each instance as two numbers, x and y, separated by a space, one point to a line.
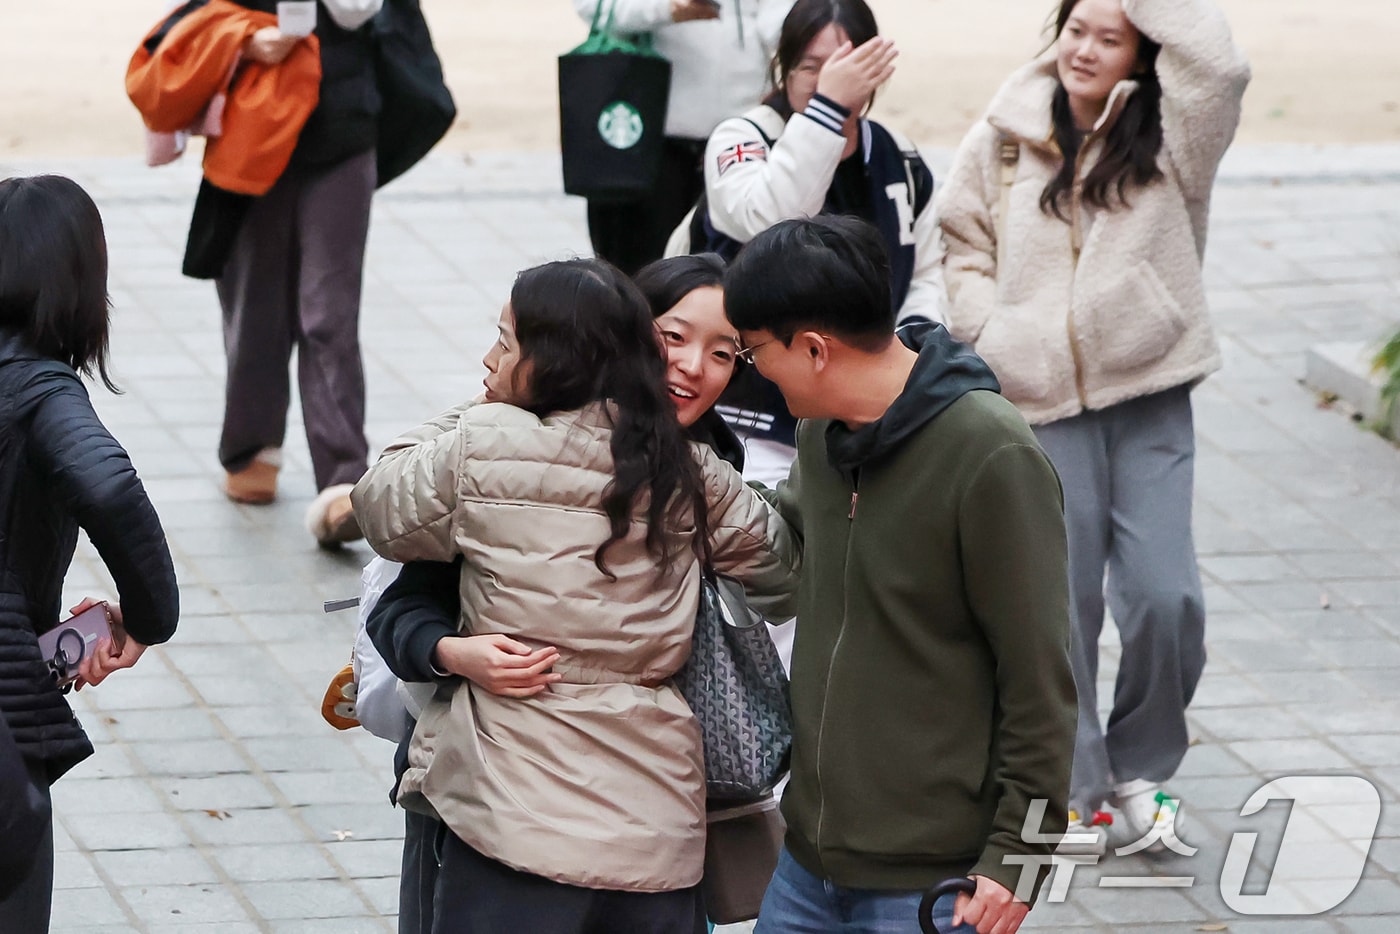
926 923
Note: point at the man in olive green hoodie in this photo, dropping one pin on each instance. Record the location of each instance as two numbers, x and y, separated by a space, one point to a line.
932 695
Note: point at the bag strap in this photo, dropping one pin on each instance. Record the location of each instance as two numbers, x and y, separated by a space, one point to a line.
1010 154
597 10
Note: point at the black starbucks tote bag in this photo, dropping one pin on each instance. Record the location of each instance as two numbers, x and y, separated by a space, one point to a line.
612 113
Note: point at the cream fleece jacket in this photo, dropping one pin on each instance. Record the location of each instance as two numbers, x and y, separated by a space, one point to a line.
1111 307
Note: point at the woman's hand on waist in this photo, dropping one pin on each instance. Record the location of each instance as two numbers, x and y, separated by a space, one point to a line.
498 663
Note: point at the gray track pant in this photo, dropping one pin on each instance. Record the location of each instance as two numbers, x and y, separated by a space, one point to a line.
293 281
1127 472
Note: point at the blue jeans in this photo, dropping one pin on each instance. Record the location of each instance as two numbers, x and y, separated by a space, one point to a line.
798 902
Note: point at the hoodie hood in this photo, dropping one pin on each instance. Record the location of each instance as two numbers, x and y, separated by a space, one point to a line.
946 371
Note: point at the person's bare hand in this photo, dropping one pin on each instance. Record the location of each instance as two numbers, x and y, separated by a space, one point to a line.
109 655
851 75
498 663
684 11
992 909
269 46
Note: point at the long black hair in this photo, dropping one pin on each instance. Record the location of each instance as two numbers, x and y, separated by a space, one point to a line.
804 22
53 271
588 336
1129 150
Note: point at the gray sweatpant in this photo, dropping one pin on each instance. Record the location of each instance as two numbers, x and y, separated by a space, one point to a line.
1127 473
293 281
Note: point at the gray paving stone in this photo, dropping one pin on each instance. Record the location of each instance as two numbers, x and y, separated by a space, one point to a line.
277 862
185 904
323 898
246 825
180 865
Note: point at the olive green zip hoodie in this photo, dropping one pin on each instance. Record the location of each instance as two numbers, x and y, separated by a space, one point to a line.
931 683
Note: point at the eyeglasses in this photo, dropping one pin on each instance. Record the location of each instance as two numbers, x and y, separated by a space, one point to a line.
746 353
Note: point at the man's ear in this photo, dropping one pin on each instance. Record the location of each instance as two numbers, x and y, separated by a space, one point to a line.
816 347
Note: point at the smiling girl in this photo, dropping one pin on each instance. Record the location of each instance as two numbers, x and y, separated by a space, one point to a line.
1075 221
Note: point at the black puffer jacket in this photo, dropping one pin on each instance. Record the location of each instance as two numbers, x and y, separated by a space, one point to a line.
60 469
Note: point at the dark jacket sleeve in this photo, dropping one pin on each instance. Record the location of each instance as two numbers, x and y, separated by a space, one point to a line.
420 607
1014 560
94 478
24 813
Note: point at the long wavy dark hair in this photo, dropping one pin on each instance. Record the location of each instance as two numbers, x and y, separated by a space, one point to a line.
804 22
587 334
1129 150
53 271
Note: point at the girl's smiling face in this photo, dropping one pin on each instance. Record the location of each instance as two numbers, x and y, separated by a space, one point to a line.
701 347
1097 48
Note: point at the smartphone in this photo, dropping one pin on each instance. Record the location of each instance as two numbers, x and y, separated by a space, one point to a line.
66 645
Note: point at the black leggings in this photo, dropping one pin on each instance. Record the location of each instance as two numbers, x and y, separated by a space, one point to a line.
477 895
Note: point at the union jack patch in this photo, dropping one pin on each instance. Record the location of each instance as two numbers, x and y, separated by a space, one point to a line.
752 151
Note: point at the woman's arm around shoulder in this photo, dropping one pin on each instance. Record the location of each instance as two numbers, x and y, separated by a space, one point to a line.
751 186
95 478
749 540
966 206
1203 75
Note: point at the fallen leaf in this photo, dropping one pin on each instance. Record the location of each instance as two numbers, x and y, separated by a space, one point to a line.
217 814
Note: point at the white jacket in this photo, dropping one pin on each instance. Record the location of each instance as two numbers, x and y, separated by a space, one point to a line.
718 66
791 180
1111 307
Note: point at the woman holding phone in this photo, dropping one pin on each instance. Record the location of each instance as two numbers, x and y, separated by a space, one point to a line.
61 471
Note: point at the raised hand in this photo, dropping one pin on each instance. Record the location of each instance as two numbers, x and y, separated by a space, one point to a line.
851 75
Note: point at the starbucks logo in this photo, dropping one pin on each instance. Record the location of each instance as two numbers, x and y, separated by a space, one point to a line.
620 125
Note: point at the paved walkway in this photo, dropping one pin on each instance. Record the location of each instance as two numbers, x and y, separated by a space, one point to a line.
219 801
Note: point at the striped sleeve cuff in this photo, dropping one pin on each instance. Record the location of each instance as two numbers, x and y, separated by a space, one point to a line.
827 112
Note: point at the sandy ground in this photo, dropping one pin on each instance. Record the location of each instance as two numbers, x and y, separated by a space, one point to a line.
1324 72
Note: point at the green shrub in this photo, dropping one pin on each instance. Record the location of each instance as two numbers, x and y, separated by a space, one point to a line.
1387 363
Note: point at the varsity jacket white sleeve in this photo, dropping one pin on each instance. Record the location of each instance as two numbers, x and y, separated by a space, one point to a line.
751 187
928 295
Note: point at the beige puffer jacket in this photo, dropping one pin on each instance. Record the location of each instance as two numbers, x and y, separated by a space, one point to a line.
598 781
1111 307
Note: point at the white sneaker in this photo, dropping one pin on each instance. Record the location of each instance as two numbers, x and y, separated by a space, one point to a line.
1083 839
1150 814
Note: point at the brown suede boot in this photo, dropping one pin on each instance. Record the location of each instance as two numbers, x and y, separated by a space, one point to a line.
255 484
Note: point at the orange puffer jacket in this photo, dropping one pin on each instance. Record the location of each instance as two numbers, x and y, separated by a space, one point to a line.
185 61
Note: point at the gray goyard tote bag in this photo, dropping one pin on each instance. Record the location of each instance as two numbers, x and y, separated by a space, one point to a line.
735 684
